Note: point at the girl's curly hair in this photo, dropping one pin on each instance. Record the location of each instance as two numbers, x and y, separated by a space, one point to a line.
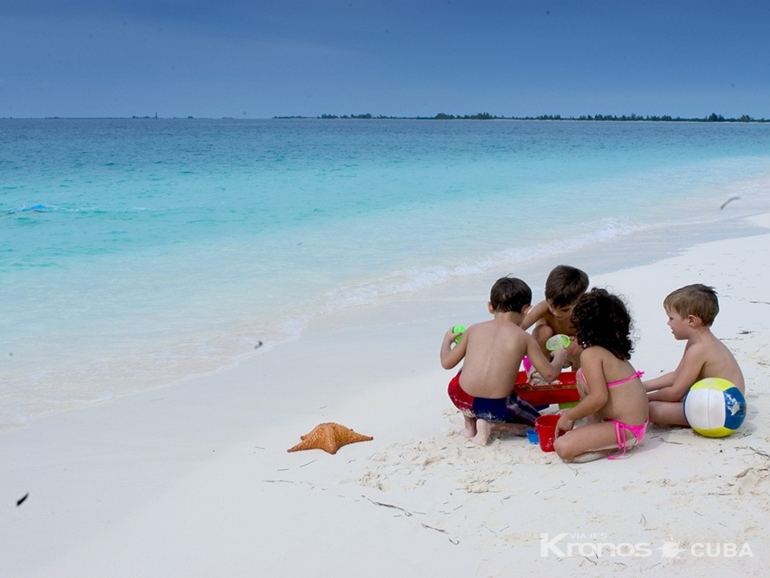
601 318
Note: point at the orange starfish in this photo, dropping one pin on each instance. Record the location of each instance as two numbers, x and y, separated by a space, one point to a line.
329 437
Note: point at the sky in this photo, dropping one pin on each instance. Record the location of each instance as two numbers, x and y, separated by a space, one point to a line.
266 58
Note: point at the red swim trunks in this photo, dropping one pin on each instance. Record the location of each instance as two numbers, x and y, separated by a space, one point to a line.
511 409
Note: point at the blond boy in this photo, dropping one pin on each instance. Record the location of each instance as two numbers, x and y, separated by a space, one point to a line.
493 350
691 311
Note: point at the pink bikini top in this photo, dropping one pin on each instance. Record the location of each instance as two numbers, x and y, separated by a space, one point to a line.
618 382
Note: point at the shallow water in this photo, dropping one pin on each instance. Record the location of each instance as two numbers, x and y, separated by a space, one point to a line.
135 252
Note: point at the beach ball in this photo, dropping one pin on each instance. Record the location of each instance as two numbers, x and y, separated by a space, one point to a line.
714 407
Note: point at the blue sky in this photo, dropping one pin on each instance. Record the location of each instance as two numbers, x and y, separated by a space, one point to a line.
264 58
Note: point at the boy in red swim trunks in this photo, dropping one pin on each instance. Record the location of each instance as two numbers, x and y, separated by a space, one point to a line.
493 350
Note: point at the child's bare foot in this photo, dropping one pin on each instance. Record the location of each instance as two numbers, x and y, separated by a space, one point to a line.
483 429
470 427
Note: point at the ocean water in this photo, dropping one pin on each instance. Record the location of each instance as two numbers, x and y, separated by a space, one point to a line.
135 252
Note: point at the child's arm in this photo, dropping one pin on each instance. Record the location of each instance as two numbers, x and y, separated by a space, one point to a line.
674 386
451 356
596 398
661 382
549 370
534 315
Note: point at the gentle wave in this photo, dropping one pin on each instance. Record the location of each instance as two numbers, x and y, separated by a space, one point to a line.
134 258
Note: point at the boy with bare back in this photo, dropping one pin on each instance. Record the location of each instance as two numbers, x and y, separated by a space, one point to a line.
493 350
691 310
563 288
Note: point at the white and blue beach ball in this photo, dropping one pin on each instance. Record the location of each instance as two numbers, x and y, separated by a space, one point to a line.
714 407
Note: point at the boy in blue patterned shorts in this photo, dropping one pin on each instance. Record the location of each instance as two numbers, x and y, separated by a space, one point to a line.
493 350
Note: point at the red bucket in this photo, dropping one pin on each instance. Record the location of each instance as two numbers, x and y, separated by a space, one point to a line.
545 426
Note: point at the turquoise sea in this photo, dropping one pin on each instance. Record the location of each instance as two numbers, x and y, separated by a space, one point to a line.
135 252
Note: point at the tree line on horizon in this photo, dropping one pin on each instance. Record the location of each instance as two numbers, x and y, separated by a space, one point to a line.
713 117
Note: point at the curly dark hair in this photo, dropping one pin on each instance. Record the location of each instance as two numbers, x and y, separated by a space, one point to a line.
601 318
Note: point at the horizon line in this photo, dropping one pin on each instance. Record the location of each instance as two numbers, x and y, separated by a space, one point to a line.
713 117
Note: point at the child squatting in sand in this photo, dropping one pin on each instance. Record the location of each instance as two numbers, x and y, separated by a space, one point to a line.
493 350
613 398
691 310
563 287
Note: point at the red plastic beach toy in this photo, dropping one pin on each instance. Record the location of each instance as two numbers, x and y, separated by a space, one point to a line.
563 392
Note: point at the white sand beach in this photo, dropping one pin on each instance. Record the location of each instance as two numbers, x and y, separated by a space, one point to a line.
195 481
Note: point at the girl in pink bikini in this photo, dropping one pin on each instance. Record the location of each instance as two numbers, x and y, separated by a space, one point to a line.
613 398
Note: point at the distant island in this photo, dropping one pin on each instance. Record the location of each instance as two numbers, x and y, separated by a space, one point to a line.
713 117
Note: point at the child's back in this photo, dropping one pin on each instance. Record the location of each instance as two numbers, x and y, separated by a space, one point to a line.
494 352
718 360
627 398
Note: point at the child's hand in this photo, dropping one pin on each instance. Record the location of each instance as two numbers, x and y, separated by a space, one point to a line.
559 356
535 378
573 349
564 424
453 335
453 347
